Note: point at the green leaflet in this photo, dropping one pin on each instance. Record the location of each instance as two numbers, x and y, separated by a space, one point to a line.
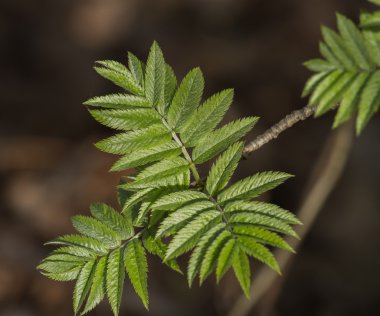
370 101
327 53
178 199
69 275
224 168
263 208
337 46
319 65
313 82
335 93
75 251
91 227
87 243
261 221
182 216
212 254
126 119
119 101
200 251
83 284
136 197
242 271
186 99
254 249
128 142
351 99
155 76
207 117
108 216
115 279
159 174
59 266
263 236
226 257
136 67
220 139
325 85
354 42
137 268
188 236
253 186
170 86
145 156
97 290
119 75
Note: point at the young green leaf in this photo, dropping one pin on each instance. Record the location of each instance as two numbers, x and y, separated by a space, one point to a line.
206 117
354 42
119 101
155 76
83 284
258 220
263 208
253 186
108 216
126 119
98 286
369 103
119 75
87 243
159 174
146 156
186 99
91 227
177 199
169 87
199 253
137 268
136 67
115 279
188 236
179 218
242 271
220 139
210 259
351 99
226 257
128 142
254 249
263 236
223 168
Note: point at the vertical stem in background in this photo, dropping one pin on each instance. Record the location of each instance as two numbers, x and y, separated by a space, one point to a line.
324 177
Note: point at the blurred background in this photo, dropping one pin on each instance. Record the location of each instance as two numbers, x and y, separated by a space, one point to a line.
50 170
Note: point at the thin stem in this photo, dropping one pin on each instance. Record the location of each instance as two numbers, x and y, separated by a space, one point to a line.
272 133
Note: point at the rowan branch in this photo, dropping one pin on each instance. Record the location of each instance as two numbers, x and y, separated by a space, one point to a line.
272 133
